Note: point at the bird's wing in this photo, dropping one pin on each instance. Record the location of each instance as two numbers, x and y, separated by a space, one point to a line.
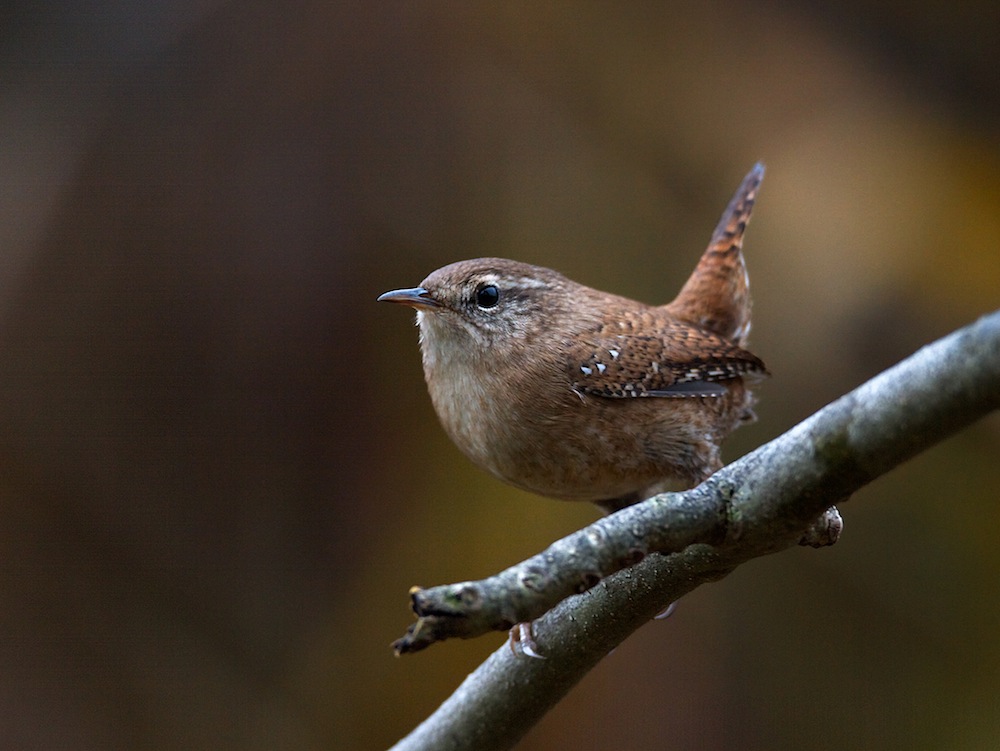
679 361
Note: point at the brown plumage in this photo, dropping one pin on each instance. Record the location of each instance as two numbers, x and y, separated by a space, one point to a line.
717 295
579 394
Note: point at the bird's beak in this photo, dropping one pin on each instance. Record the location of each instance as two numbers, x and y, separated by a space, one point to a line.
417 297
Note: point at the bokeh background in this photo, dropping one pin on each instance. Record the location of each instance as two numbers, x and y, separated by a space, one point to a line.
220 471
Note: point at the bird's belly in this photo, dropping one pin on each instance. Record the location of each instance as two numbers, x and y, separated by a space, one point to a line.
587 449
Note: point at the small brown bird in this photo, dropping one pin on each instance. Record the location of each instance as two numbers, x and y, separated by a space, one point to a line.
578 394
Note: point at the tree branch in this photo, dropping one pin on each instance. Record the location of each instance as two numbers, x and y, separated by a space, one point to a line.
760 504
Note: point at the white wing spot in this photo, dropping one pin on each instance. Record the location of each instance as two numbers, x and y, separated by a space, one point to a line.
601 367
655 366
585 370
614 353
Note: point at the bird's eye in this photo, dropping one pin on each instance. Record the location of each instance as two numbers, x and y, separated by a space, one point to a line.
487 296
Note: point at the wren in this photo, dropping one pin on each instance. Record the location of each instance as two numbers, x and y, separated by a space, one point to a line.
583 395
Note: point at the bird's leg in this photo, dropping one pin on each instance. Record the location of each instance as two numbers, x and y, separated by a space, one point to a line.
666 612
612 505
521 639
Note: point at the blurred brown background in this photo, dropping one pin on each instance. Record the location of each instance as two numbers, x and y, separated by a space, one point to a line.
220 471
